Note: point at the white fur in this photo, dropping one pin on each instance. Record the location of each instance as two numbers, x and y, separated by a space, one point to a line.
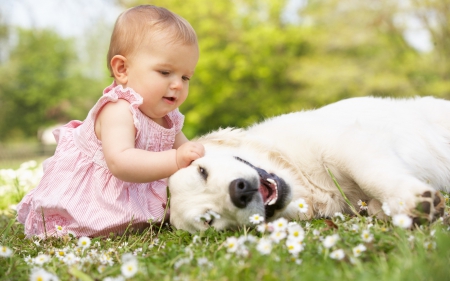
379 150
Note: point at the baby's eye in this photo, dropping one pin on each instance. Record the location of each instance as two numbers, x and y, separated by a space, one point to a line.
164 72
186 78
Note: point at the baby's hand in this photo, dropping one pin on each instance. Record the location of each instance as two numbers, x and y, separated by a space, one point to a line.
188 152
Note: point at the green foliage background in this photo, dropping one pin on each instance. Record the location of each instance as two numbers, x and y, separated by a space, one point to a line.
255 62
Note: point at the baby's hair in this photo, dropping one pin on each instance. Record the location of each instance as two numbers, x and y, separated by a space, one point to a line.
141 22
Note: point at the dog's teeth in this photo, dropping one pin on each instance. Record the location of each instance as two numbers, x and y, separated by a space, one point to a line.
271 181
273 201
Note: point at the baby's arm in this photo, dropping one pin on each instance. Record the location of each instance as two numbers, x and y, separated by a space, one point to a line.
115 128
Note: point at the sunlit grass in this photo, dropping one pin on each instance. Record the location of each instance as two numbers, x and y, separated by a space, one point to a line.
340 248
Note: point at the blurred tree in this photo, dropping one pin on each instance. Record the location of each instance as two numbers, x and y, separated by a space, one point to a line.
246 49
432 76
358 49
39 86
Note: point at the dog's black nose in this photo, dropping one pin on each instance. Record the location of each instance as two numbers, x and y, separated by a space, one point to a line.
241 192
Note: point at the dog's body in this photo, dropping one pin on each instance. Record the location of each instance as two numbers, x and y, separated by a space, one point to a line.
388 151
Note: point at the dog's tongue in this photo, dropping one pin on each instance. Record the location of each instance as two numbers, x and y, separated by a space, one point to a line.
264 192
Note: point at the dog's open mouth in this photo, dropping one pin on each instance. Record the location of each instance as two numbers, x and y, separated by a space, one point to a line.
274 190
268 188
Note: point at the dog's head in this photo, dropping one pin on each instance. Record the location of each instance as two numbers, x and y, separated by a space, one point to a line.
223 191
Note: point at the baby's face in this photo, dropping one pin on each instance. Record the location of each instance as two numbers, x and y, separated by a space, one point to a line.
160 73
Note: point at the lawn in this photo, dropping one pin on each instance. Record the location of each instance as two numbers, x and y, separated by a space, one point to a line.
338 248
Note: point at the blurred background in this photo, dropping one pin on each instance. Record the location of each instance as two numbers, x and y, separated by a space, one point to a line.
259 58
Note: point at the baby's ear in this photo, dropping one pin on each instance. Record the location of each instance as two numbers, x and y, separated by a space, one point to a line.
119 68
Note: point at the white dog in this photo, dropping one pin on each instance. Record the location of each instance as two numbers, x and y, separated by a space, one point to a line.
385 152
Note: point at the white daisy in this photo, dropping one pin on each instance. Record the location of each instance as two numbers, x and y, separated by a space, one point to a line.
366 236
294 247
264 246
429 245
231 244
402 220
5 251
362 205
386 209
339 215
256 219
280 224
84 242
296 232
357 251
330 240
70 259
40 274
338 254
41 259
59 229
129 268
302 205
277 236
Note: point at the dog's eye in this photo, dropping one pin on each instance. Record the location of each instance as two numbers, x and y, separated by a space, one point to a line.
203 172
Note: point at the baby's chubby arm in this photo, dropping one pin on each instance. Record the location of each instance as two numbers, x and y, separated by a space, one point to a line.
115 128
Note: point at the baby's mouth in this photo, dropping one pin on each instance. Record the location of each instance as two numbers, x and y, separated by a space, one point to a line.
172 99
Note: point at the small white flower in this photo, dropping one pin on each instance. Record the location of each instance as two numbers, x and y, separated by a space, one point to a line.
402 220
302 205
362 205
196 239
429 245
355 227
84 242
280 224
366 236
70 259
261 227
59 229
277 236
127 257
316 232
129 268
181 262
231 244
339 215
40 274
5 251
101 268
337 254
357 251
203 262
264 246
256 219
330 240
106 259
411 238
294 247
386 209
41 259
296 232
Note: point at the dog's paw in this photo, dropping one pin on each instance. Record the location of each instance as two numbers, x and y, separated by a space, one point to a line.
430 206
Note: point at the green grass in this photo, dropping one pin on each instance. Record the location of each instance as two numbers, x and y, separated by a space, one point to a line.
164 253
390 256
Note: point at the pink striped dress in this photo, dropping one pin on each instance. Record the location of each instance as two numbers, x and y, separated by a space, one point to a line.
79 193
